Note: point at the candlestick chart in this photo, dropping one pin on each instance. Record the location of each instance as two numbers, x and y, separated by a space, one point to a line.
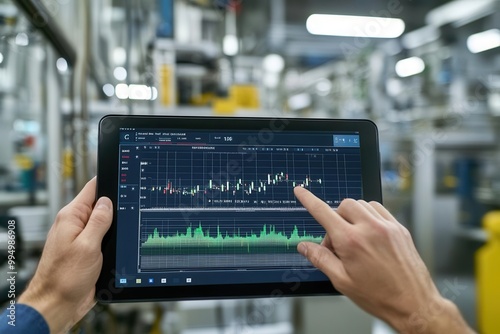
205 180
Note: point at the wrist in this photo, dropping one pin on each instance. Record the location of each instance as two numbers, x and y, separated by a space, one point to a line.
439 315
54 309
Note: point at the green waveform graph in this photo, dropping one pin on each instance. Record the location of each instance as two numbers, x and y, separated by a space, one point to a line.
197 241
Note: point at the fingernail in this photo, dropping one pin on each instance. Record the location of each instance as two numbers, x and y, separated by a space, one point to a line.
103 203
302 248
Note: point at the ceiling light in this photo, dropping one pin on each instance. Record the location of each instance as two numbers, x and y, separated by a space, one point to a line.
273 63
140 92
484 41
394 87
355 26
299 101
62 65
22 39
119 56
410 66
1 58
120 73
324 87
132 92
122 91
230 45
155 94
108 89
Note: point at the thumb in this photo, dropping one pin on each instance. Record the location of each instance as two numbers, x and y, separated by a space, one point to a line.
99 221
323 259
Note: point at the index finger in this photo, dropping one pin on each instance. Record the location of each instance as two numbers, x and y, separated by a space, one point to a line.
332 222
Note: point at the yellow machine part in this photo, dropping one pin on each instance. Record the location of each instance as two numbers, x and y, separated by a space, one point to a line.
224 107
24 162
245 96
166 85
488 277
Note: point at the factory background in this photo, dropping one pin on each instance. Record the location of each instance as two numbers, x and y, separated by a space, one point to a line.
427 72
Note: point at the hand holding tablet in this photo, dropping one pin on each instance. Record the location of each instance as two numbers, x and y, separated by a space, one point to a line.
204 207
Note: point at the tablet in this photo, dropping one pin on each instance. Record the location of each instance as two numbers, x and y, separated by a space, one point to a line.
204 207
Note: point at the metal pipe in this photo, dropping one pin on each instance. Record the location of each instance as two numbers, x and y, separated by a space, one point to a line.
39 16
54 138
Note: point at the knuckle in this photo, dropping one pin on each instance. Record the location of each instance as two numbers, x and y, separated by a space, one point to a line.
362 202
62 214
345 205
406 233
380 226
385 230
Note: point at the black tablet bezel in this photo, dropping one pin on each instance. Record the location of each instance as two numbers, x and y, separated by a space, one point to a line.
107 185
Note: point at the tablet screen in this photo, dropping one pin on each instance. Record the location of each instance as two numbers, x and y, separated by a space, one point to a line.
200 207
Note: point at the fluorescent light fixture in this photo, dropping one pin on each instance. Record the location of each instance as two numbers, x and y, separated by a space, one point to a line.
410 66
230 45
459 10
355 26
1 58
420 37
132 92
484 41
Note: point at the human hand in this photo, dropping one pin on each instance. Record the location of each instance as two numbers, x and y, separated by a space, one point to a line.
63 286
370 257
